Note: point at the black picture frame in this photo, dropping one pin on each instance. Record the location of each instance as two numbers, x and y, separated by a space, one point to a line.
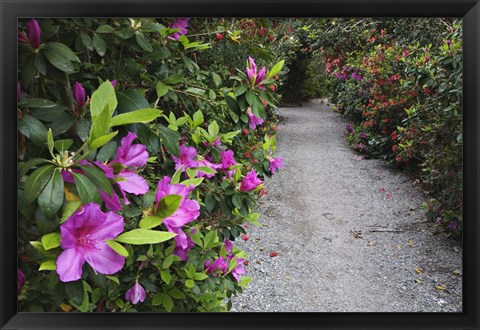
11 10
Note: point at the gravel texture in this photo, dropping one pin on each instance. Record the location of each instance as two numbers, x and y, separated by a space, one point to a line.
349 233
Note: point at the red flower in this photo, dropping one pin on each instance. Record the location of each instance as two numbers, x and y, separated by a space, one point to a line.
271 38
272 88
394 148
262 31
219 36
245 131
245 237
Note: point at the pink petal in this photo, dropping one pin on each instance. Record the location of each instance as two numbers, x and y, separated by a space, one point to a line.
103 259
109 229
111 202
69 265
133 183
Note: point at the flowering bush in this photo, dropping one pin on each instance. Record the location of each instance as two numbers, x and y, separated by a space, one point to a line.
405 101
133 176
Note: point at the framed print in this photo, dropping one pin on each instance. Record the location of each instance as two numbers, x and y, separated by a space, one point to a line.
153 138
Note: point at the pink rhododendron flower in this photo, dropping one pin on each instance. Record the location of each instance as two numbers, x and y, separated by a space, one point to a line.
182 24
83 238
34 33
79 94
250 181
114 83
253 76
129 154
187 158
253 121
21 279
275 163
187 211
136 294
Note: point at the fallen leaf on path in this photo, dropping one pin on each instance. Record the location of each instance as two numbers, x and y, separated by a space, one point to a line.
371 244
419 281
399 247
382 189
246 262
262 249
65 307
259 262
273 254
357 233
441 287
389 195
419 270
457 272
410 243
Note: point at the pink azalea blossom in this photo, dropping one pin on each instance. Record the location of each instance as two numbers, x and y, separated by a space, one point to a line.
250 181
206 163
239 268
275 163
187 211
227 159
136 294
182 24
253 121
219 266
83 238
187 158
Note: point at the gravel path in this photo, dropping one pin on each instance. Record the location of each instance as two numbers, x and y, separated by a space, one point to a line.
350 233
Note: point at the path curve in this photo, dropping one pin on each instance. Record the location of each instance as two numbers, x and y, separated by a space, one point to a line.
313 215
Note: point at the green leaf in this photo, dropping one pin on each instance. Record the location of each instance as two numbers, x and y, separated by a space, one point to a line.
189 283
196 91
50 199
143 42
206 169
99 44
39 103
237 201
62 145
216 79
165 275
170 140
168 205
276 69
131 100
150 222
250 96
97 143
100 124
83 307
200 276
213 129
144 236
69 209
195 182
174 79
24 167
210 201
51 241
117 247
258 109
104 96
86 40
107 152
233 105
167 302
162 89
48 265
33 129
176 175
114 278
87 191
60 56
197 118
137 116
37 181
98 177
104 29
